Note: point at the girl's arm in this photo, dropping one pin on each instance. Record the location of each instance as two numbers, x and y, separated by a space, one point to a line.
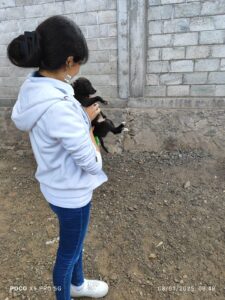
92 111
93 139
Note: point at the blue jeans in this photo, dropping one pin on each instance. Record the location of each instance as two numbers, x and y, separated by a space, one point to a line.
73 225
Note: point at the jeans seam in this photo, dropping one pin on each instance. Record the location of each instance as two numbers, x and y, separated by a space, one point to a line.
75 252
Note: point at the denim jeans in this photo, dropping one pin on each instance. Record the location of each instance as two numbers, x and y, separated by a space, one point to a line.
73 225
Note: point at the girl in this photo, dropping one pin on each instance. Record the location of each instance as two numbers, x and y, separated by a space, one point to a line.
69 163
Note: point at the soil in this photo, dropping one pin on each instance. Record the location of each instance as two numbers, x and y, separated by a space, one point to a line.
156 231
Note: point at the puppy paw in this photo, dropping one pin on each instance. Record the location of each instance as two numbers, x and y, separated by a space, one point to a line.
125 129
123 122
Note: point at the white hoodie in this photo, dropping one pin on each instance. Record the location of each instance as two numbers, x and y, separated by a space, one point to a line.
69 167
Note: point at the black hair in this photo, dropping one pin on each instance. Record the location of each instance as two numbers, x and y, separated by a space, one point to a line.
49 45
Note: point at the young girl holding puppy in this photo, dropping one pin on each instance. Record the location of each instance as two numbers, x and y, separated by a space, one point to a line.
69 162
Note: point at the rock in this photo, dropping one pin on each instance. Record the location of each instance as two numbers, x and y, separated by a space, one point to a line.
159 244
52 241
187 184
152 256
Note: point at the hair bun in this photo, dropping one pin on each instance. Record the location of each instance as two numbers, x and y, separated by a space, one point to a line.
25 51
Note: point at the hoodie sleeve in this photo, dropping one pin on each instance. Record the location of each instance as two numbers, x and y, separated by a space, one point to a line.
66 124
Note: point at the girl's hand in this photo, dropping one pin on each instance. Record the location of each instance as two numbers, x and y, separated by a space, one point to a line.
92 111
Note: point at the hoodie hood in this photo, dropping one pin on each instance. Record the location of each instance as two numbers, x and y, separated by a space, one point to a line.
36 95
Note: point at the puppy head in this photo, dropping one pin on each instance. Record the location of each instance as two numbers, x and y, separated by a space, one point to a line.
83 87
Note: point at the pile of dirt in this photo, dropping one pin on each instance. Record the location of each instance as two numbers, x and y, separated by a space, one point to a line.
156 230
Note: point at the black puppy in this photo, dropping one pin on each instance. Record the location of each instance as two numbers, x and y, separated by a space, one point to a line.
83 90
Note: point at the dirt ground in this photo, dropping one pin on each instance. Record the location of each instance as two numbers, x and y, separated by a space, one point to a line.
156 231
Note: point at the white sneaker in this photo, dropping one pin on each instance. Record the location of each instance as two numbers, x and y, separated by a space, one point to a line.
90 288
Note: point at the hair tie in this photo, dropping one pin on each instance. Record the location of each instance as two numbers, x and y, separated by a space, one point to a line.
30 43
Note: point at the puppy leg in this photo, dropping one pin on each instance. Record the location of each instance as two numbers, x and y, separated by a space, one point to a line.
103 145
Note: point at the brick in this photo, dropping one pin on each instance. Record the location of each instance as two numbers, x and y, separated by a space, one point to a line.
20 72
106 17
186 39
197 52
160 12
178 90
96 5
7 3
112 29
219 22
107 91
103 30
182 66
154 2
218 51
157 91
74 6
7 37
216 77
52 9
99 68
152 79
98 56
187 10
220 91
203 90
177 25
24 2
213 7
8 82
2 15
155 27
113 55
201 24
171 79
222 66
212 37
111 4
88 18
9 26
27 24
11 92
92 44
172 1
84 31
13 13
158 67
4 71
153 54
173 53
159 40
3 50
93 31
207 64
107 43
195 78
33 11
98 80
32 2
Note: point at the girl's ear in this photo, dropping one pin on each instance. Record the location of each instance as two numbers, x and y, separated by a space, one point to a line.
69 61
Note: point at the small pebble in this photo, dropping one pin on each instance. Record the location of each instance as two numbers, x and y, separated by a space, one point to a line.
152 256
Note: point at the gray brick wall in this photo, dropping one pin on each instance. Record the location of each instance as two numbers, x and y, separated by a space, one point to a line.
186 48
98 22
185 51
